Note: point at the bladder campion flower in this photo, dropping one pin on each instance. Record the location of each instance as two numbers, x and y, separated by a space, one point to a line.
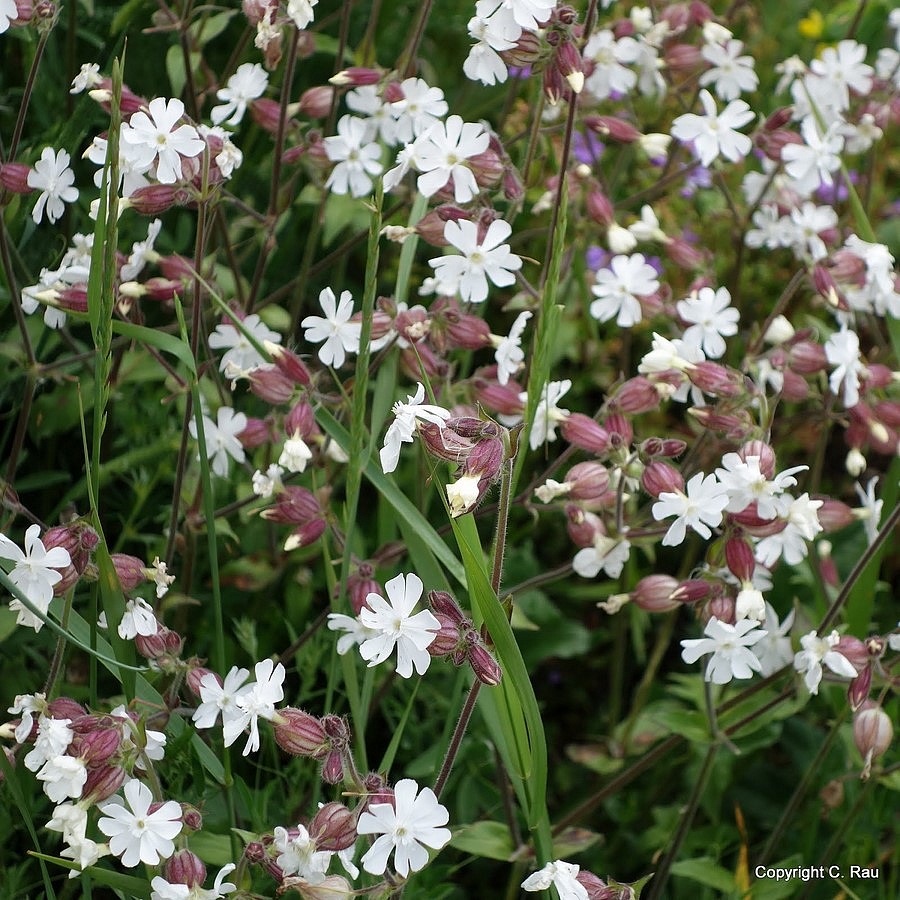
729 646
154 137
52 176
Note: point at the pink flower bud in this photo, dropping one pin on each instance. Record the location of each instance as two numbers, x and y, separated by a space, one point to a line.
356 76
97 746
415 358
157 198
872 732
583 526
266 113
677 16
880 376
683 57
256 433
855 650
300 734
185 868
333 768
722 607
65 708
637 395
305 534
447 639
685 254
500 398
807 358
736 425
763 452
833 514
620 431
483 664
14 178
588 480
858 692
527 50
130 570
692 590
487 168
195 675
660 477
720 381
571 67
295 505
583 432
656 593
191 817
164 643
333 827
315 102
102 782
739 558
613 128
271 385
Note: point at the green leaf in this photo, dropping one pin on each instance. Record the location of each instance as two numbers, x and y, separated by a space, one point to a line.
168 343
703 870
208 28
135 887
491 840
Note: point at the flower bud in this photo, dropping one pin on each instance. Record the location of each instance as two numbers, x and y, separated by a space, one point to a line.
356 76
833 514
660 477
14 178
872 732
635 396
195 675
807 358
501 398
656 593
315 102
739 558
599 207
185 868
305 535
715 379
571 66
485 667
620 431
65 708
583 526
295 505
333 767
487 167
300 734
102 782
333 827
130 570
685 254
97 746
587 481
722 607
855 651
613 128
164 643
583 432
858 692
270 384
156 198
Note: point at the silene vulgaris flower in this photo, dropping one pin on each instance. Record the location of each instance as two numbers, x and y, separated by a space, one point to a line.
730 648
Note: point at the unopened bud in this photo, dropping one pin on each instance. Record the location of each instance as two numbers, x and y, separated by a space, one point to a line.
14 178
130 570
356 76
270 384
185 867
333 828
294 506
583 432
858 692
305 535
316 102
739 558
613 128
485 667
873 733
300 734
102 782
661 477
587 481
156 198
656 593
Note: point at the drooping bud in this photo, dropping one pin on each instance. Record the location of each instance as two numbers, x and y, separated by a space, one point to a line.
288 363
660 477
305 535
269 383
873 733
858 692
656 593
102 782
613 128
14 178
333 827
185 867
855 650
315 102
485 667
356 76
294 506
739 558
583 432
130 570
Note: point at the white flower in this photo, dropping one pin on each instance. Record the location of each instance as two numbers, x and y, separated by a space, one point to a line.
790 544
494 28
869 510
547 414
356 160
774 650
241 353
158 573
702 506
610 58
731 74
715 134
562 876
53 177
53 739
509 354
26 705
462 494
133 163
222 438
138 618
421 107
746 484
299 856
63 777
142 252
403 427
619 287
728 645
397 628
355 632
442 153
415 818
34 574
811 163
712 318
248 82
267 483
647 227
378 115
341 336
88 75
152 137
842 351
802 230
164 890
750 603
220 698
843 69
254 703
85 852
295 454
816 651
301 11
665 356
529 13
607 554
137 835
71 819
480 261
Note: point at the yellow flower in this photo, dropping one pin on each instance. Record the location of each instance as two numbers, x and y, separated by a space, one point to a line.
812 26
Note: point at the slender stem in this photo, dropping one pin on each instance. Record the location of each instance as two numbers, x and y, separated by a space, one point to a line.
14 301
859 568
59 652
777 310
563 185
407 61
687 817
456 737
26 95
717 734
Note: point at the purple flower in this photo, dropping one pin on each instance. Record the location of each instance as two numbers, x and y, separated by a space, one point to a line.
587 148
